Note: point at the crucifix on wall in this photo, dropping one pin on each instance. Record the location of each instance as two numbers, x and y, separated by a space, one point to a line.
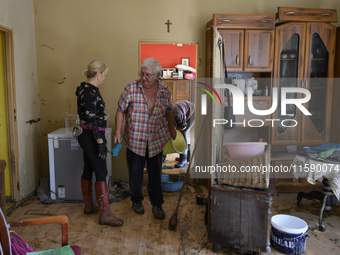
168 23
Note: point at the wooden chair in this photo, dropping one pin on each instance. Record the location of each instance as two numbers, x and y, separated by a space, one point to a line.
5 239
63 220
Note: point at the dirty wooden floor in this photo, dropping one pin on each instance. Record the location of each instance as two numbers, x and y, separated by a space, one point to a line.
143 234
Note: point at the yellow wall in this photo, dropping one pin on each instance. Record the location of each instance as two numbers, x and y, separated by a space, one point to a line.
70 33
3 119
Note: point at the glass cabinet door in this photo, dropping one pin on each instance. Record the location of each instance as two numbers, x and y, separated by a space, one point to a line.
288 70
320 56
288 77
318 82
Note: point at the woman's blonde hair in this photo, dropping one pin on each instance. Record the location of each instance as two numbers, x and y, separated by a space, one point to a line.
94 67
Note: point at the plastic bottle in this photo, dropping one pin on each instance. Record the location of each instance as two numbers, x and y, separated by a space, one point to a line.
266 90
116 149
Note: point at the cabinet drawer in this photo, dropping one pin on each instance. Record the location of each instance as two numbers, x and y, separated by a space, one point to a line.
183 86
182 96
179 89
306 14
248 21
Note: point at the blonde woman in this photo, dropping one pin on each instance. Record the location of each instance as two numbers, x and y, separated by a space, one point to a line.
93 120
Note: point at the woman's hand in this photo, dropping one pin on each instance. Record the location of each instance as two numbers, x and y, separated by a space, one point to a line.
102 149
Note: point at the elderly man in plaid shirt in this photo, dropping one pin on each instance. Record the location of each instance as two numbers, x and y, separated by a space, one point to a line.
149 124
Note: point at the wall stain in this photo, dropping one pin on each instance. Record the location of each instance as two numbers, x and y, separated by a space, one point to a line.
33 121
62 81
45 45
57 81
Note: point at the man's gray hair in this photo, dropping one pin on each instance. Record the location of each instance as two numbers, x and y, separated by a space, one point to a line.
154 63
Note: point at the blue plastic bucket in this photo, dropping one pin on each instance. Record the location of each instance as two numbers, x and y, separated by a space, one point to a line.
172 182
288 234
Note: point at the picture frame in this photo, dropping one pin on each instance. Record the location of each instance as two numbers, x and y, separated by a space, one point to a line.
185 61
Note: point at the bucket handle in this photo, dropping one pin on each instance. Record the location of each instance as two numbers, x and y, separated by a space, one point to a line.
174 147
305 237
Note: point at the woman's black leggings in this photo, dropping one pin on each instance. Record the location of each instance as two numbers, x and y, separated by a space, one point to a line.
92 161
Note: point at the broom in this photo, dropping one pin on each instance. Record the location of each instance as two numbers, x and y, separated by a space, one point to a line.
173 219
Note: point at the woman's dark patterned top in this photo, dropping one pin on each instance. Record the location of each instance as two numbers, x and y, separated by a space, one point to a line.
91 108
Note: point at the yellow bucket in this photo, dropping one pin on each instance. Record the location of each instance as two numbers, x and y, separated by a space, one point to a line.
175 146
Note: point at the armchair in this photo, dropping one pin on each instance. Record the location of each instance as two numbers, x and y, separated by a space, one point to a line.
63 220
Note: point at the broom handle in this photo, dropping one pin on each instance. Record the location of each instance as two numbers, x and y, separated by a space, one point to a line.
188 168
182 189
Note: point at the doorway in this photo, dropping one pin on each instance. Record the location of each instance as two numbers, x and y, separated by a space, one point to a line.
170 55
9 133
4 148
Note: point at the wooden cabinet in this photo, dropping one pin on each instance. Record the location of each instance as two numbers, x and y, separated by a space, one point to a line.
306 14
304 58
179 89
237 217
248 50
240 217
248 41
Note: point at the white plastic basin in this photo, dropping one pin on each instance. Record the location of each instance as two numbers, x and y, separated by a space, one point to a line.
245 149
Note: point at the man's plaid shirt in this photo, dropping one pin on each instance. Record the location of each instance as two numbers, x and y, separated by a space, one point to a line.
142 131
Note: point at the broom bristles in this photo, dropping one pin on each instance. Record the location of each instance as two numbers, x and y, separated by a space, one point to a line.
173 222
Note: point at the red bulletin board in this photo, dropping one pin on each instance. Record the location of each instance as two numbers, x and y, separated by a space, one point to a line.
169 55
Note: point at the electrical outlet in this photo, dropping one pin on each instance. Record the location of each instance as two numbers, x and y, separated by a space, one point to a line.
61 191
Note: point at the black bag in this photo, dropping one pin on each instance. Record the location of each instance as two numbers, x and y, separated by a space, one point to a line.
228 115
228 110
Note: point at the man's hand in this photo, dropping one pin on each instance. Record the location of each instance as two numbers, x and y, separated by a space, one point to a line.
170 119
117 138
173 133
